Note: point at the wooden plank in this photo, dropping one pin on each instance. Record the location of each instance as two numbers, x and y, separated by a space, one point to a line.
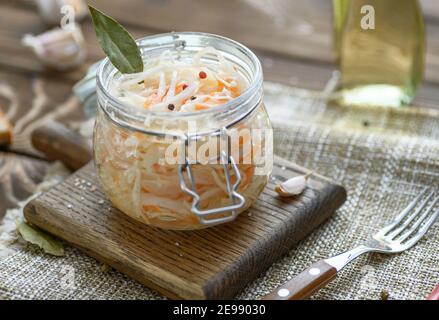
14 24
315 76
281 68
22 4
203 264
431 10
284 70
300 29
29 101
307 34
294 35
427 96
32 101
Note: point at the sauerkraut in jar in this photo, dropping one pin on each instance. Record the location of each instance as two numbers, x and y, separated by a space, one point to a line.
186 143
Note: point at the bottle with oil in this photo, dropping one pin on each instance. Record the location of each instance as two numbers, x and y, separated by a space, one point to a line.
380 51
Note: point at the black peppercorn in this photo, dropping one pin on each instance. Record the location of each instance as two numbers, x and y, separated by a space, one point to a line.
193 98
171 106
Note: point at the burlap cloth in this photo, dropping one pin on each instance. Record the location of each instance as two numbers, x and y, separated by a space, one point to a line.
382 156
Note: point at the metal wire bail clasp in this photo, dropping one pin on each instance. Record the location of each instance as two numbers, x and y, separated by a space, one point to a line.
209 216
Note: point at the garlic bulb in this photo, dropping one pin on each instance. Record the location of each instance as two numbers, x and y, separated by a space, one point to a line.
50 10
293 186
61 49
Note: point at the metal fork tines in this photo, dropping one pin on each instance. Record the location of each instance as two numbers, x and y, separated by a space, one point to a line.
412 223
401 233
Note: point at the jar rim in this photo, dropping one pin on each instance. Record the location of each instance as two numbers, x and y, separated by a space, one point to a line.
254 85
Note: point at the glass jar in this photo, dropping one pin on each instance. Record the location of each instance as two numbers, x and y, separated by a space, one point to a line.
184 170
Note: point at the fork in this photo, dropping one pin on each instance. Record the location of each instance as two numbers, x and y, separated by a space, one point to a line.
400 234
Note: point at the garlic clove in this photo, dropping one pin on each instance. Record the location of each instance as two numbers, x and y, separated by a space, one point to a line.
50 10
293 186
61 49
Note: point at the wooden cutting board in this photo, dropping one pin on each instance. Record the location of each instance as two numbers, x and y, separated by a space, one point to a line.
214 263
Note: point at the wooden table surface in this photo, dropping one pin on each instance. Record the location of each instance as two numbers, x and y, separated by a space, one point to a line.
292 39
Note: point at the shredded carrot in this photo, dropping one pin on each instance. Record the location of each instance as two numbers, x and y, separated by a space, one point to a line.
138 135
249 172
151 100
151 207
176 83
199 106
220 86
234 91
180 87
243 139
163 169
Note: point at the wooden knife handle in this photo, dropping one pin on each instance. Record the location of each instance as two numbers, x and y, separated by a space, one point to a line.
58 142
304 284
5 130
435 294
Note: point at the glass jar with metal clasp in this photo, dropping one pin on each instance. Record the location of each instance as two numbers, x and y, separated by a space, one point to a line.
184 170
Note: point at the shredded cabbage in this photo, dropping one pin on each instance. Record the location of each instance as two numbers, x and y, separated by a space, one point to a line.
129 163
189 86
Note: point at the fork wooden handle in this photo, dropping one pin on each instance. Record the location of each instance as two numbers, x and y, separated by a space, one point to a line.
304 284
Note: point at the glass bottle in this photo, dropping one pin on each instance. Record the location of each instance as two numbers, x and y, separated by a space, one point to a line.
380 51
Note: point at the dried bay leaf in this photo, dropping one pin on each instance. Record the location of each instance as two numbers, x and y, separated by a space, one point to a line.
41 239
117 43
